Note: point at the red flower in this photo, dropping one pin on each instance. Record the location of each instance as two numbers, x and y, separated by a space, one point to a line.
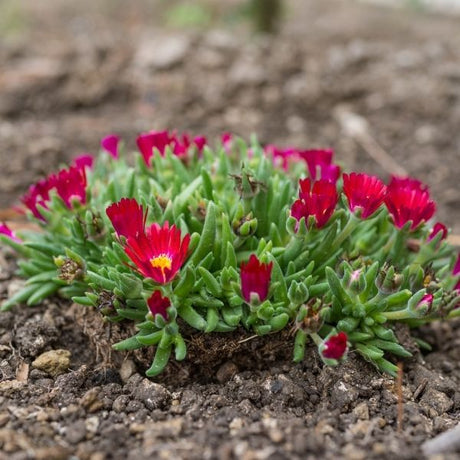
363 192
425 304
38 194
409 204
318 200
110 144
255 278
70 184
158 304
159 140
437 228
5 230
200 142
227 142
158 253
146 142
335 346
320 164
456 269
127 217
407 182
84 160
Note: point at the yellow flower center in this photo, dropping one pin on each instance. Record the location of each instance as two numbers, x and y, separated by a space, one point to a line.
162 262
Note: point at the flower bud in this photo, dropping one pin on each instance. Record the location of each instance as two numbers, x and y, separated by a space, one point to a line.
334 347
297 293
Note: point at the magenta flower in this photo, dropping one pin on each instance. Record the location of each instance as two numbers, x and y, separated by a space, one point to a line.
456 269
70 184
282 157
5 230
409 204
255 278
38 194
160 140
320 164
146 142
335 346
159 252
318 199
110 144
158 304
425 304
438 228
200 142
227 142
407 182
127 217
85 160
364 193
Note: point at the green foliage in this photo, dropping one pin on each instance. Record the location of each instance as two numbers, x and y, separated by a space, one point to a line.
353 275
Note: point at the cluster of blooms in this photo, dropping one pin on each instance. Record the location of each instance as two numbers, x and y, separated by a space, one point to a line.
242 237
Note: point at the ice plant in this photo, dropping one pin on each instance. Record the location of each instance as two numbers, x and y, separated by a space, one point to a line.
85 160
320 165
160 140
158 304
146 142
38 194
317 199
409 204
236 242
398 182
227 141
127 217
255 278
364 193
110 144
5 230
70 184
159 252
335 346
438 228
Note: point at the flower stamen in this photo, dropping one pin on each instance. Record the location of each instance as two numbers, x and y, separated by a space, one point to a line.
162 262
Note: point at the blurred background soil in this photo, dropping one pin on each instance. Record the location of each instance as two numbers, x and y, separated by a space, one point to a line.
73 72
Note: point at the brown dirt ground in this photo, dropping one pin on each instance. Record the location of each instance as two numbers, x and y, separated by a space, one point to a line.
72 74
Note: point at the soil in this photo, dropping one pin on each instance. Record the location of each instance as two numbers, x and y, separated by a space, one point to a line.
73 74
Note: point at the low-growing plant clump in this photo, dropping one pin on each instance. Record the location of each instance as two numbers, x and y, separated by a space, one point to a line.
238 237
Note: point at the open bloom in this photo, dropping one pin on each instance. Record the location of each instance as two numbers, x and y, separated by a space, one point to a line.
335 346
398 182
255 278
5 230
158 304
127 217
438 228
160 140
363 192
110 144
70 184
316 199
159 252
409 204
